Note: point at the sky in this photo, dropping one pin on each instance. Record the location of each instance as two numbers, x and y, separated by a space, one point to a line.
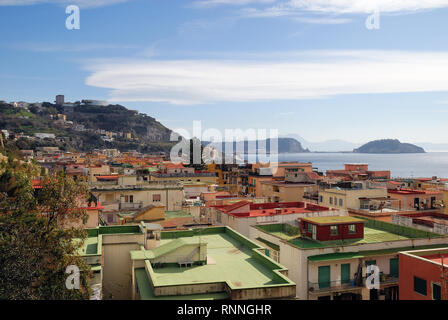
355 70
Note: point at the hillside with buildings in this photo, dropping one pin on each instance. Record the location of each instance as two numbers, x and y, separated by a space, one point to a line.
388 146
81 126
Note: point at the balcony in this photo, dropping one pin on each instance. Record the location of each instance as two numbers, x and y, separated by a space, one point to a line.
330 286
386 280
131 205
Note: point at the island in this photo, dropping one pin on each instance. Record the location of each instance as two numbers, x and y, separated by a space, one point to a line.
388 146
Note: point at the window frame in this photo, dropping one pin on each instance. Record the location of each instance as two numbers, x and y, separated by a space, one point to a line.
426 286
336 227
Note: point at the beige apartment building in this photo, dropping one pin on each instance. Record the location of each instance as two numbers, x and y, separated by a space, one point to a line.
349 197
274 191
127 194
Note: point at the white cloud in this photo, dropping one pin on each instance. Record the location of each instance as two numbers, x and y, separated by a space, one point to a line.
365 6
309 75
81 3
324 11
212 3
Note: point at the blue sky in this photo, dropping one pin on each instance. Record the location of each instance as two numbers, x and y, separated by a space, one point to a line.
310 68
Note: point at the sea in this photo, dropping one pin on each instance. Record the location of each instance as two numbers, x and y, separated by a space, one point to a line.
404 165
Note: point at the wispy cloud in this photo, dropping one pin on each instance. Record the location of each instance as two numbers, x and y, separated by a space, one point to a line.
329 11
213 3
312 75
60 47
80 3
365 6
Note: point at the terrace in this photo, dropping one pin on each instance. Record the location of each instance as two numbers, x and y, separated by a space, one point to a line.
374 232
234 265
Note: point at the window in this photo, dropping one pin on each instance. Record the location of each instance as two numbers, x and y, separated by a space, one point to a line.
335 201
333 230
420 285
331 200
352 228
310 228
340 202
218 217
436 292
321 199
156 198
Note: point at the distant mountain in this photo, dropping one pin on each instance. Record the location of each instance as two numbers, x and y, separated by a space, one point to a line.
334 145
285 145
388 146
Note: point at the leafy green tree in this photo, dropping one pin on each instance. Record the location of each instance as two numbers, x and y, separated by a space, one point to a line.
36 246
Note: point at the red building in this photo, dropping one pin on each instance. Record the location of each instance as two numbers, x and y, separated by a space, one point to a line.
423 276
332 228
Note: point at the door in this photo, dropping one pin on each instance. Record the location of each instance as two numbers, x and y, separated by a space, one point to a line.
313 231
417 203
345 273
394 267
324 277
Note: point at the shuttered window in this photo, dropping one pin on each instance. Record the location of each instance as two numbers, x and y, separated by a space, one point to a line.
420 286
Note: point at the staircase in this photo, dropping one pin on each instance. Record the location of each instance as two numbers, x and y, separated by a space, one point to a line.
188 260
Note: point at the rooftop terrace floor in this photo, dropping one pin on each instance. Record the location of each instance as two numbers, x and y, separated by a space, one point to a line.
370 236
90 246
228 260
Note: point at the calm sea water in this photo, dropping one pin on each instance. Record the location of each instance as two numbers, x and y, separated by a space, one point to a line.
401 165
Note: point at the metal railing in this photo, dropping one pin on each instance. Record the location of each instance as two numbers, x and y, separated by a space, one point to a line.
326 286
131 205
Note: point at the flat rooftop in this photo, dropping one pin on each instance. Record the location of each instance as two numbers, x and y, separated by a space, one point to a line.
333 220
231 259
228 260
375 231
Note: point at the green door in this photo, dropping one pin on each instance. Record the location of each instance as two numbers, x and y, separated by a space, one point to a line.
324 276
394 267
345 273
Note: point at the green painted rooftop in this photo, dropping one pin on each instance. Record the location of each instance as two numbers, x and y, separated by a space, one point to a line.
370 236
146 292
90 246
231 258
229 261
364 254
282 231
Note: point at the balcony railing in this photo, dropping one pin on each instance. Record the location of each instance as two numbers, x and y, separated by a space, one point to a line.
325 286
339 285
131 205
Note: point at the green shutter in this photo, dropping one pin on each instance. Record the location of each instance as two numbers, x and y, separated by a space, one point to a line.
394 267
324 276
370 262
345 273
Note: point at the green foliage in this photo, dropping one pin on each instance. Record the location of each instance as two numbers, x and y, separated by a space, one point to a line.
36 246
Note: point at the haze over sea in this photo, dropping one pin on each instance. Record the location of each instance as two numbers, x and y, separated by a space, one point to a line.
401 165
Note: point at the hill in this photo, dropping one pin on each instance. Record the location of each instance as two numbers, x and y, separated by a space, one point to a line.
285 145
388 146
83 127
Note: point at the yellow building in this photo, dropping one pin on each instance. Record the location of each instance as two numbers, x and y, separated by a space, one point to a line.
345 198
274 191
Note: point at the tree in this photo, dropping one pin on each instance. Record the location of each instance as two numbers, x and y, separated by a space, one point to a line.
35 248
